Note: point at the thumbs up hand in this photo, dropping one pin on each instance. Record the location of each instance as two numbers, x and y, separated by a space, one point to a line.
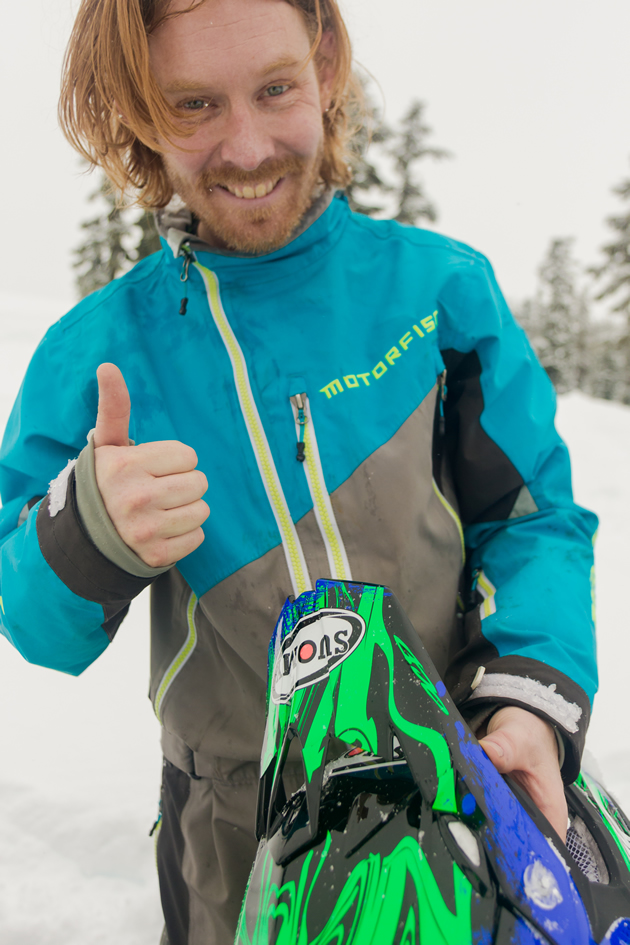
152 492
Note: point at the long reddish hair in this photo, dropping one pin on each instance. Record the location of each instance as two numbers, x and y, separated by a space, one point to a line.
106 75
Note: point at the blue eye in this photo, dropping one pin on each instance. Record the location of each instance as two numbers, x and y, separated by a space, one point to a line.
275 90
195 105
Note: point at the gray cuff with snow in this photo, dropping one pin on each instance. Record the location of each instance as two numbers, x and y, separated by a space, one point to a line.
99 525
537 687
545 699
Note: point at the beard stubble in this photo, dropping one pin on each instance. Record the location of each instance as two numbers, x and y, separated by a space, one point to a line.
249 229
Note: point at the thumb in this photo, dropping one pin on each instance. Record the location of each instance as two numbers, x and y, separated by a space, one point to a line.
498 750
114 407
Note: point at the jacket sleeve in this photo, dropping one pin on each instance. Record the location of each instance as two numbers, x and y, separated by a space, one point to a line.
61 599
529 627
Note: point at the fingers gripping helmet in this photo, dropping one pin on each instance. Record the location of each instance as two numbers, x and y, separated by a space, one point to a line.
410 836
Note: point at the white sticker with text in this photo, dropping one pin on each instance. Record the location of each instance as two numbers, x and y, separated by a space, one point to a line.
317 644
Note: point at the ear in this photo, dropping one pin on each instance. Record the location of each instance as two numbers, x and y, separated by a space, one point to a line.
326 59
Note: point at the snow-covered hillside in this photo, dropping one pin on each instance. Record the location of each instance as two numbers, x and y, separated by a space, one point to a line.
80 760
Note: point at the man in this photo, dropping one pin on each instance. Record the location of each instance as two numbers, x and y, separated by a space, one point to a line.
345 385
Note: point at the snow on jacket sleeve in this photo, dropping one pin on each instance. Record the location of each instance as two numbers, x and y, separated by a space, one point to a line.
529 620
61 599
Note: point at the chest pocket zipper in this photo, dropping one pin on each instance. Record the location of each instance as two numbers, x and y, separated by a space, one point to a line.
308 455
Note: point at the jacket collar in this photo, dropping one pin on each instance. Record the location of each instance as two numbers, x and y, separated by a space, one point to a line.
317 232
175 225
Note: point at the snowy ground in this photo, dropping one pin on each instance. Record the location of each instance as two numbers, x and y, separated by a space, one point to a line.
80 761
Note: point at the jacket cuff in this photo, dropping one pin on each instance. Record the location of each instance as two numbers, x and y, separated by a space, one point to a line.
75 559
537 687
482 713
97 523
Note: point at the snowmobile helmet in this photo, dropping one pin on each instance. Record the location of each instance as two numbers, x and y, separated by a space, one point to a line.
411 836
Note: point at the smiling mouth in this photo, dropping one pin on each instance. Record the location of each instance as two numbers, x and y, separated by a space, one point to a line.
249 192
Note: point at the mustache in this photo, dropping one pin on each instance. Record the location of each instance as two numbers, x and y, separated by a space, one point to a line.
272 169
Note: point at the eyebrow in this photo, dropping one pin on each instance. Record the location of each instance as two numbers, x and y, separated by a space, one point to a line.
181 85
185 85
286 62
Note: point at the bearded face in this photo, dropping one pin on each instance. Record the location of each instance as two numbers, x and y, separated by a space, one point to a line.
232 207
238 73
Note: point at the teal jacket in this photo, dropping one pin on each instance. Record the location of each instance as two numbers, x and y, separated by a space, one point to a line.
335 347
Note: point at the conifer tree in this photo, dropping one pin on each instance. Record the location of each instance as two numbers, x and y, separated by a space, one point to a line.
606 361
367 178
408 149
102 255
149 236
615 274
111 244
557 318
616 268
397 151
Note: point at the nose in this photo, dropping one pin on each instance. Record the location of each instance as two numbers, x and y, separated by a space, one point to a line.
246 142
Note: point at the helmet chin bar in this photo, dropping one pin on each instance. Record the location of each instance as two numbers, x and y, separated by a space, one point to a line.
403 831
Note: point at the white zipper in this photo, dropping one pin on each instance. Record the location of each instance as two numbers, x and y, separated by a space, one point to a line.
296 562
322 506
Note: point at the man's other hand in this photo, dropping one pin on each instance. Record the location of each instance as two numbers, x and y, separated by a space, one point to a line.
152 492
524 746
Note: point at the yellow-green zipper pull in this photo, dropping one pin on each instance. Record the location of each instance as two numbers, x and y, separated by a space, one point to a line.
322 505
301 419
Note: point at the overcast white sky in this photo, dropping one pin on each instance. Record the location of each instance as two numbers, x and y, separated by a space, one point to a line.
533 99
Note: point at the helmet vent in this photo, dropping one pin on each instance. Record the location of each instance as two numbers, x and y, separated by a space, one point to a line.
582 847
465 840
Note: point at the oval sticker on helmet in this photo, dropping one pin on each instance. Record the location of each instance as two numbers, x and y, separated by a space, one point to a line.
317 644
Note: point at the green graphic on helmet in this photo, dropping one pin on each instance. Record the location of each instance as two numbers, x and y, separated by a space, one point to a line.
403 832
340 710
612 816
369 905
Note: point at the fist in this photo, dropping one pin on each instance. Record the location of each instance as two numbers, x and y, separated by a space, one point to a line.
153 492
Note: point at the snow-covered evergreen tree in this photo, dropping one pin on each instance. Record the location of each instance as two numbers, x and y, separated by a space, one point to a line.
114 240
557 318
614 272
387 178
367 181
408 148
606 362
